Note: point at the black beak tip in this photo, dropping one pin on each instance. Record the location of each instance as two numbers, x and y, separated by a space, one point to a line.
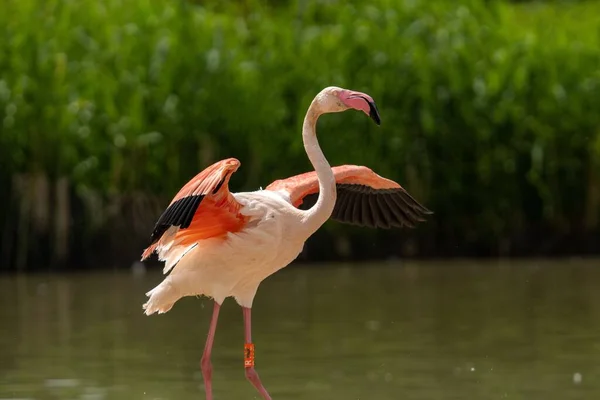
374 113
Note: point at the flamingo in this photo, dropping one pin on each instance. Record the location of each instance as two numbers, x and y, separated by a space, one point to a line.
221 244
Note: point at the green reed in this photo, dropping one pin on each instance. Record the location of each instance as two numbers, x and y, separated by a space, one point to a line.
490 109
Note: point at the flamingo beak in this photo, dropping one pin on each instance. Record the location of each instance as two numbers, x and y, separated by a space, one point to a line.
373 112
357 101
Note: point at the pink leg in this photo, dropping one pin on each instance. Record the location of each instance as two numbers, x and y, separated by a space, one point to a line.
205 363
251 373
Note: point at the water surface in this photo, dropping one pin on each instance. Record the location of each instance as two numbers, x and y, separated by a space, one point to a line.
459 330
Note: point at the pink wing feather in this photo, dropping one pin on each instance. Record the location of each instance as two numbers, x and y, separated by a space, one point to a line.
364 197
203 208
302 185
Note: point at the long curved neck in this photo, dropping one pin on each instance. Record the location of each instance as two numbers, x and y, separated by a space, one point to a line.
321 211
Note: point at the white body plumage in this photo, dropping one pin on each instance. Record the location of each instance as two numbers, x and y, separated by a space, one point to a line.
235 265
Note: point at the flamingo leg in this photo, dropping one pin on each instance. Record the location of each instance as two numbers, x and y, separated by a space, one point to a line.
251 373
205 364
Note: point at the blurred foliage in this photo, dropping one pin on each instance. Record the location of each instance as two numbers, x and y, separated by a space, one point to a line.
489 109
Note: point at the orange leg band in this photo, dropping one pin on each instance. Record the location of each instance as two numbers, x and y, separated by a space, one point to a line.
248 355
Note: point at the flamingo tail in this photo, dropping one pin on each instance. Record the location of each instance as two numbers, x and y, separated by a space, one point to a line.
161 298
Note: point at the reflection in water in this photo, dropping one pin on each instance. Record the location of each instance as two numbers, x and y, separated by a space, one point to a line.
411 331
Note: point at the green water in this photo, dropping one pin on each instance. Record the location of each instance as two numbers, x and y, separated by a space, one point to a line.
461 330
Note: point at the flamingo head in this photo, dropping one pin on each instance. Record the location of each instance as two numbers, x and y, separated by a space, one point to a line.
335 99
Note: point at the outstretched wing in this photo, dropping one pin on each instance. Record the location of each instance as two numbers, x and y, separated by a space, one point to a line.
202 209
363 198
